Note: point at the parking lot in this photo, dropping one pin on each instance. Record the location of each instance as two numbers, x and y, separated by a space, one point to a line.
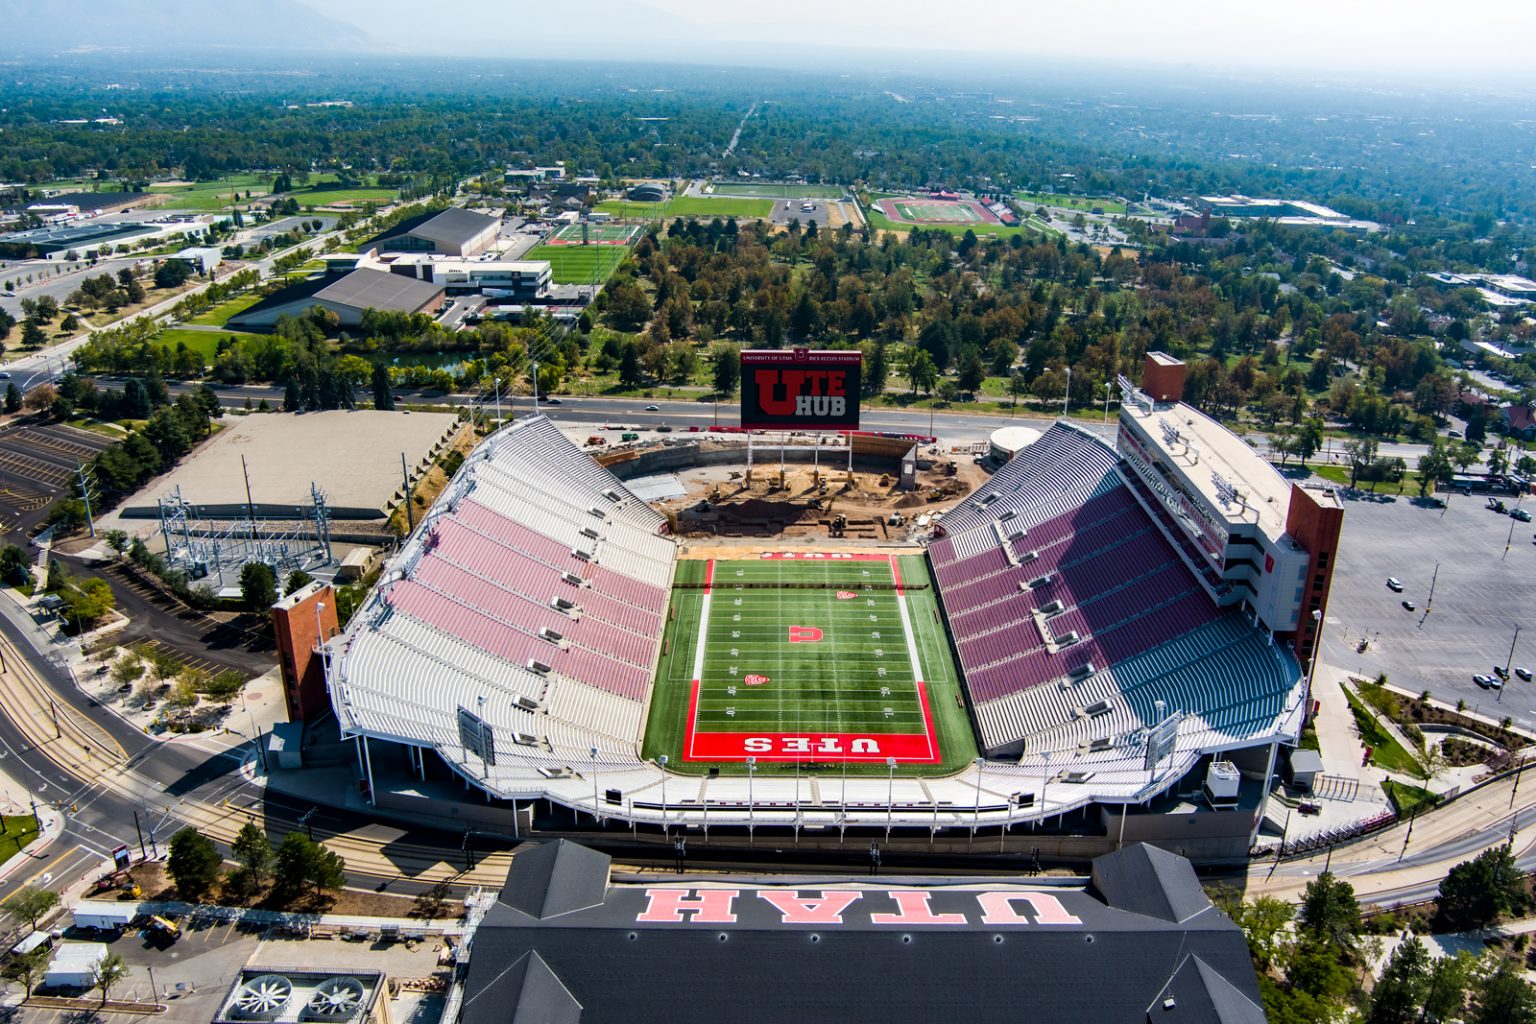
36 465
1480 597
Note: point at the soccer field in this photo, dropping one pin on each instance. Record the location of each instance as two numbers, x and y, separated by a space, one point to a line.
595 234
818 659
579 264
759 190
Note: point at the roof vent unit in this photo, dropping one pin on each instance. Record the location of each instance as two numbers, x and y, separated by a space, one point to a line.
335 1001
1029 556
527 703
571 578
554 637
1007 516
585 556
1100 744
1082 671
589 531
263 998
537 667
1069 637
525 739
598 512
1075 778
565 604
1038 582
611 494
1051 608
987 499
1096 709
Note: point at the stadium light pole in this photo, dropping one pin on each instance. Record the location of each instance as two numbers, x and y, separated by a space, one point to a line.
1045 780
751 817
976 811
1106 400
662 760
890 795
596 816
1066 396
1317 643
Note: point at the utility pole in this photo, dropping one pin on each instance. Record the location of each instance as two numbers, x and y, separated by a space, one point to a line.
1066 398
85 496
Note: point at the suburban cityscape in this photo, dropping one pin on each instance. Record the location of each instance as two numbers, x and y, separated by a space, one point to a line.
749 516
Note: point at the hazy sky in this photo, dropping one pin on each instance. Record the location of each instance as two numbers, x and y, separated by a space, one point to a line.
1489 38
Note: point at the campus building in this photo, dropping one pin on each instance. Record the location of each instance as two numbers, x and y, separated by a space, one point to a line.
1140 942
452 232
348 296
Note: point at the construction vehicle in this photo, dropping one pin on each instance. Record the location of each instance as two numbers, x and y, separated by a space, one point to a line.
839 524
1497 505
597 440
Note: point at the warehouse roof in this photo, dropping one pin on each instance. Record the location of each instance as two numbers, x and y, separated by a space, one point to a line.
377 289
563 943
453 226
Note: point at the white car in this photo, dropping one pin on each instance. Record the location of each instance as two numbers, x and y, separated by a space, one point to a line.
1394 584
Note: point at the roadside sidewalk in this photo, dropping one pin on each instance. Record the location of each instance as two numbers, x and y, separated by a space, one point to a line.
20 800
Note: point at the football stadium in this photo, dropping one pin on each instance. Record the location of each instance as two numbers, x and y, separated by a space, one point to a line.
1105 642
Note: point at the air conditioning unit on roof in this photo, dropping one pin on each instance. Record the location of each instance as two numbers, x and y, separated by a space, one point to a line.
1051 608
611 494
571 578
598 512
1083 671
1069 637
554 637
587 531
527 703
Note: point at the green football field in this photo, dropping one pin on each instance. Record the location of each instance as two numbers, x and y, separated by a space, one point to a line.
807 663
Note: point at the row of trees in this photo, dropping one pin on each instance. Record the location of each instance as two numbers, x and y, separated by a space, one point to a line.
296 868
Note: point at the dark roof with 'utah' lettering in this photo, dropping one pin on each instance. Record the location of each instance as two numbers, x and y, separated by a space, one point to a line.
565 943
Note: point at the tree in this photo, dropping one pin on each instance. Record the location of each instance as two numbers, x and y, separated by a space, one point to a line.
40 398
32 334
193 864
922 373
292 399
297 580
1309 439
253 850
429 904
172 274
12 398
28 968
31 904
258 586
1329 911
1476 892
383 390
726 364
1361 454
108 972
117 540
1434 468
970 371
1505 998
1399 994
302 862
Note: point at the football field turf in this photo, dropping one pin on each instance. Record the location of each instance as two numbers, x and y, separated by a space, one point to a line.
809 659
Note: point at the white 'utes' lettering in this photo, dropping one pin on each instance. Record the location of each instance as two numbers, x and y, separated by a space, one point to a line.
831 906
809 745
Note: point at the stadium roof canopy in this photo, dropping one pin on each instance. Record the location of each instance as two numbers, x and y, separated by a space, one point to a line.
564 943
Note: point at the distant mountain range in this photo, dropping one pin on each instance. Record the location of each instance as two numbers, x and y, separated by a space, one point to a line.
60 26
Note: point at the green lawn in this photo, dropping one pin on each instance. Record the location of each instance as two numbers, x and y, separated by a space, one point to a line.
1408 799
1386 752
856 678
575 264
323 195
759 190
19 831
205 343
1066 202
213 195
219 315
689 206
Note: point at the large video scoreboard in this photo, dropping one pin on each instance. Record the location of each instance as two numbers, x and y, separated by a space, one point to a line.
792 389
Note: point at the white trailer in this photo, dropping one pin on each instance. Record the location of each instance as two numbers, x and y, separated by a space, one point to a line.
74 965
104 916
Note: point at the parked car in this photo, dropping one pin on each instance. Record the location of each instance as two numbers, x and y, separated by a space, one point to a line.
653 408
1487 682
1410 605
1501 671
1520 514
1523 673
1394 584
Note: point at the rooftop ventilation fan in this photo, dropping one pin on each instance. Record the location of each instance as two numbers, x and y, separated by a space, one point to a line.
335 999
263 998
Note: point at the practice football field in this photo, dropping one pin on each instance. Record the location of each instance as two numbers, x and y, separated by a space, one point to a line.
807 658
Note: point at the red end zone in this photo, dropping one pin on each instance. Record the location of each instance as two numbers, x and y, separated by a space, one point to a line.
906 748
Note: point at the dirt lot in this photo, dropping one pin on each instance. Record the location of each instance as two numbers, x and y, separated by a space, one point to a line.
790 511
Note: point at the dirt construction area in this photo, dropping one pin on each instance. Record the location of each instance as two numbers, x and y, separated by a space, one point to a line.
807 504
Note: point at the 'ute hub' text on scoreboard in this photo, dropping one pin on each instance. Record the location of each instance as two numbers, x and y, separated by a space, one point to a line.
799 389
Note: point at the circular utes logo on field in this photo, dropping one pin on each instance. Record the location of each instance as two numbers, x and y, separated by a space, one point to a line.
755 680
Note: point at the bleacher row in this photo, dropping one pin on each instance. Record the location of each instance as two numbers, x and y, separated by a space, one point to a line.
1067 644
532 594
